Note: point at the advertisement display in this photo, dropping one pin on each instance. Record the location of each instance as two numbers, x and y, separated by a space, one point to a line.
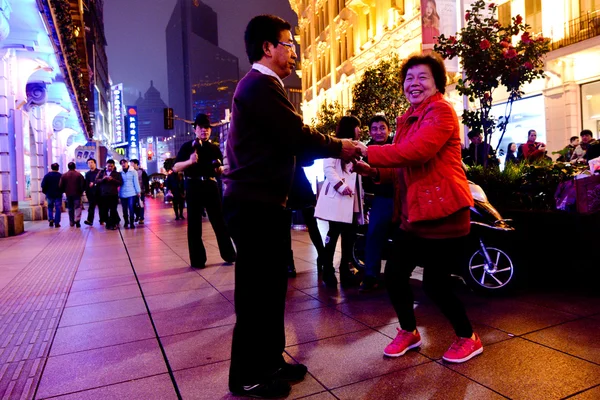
131 125
438 17
83 153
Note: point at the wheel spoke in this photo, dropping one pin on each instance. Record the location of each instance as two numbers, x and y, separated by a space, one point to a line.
504 270
477 266
497 259
482 281
497 280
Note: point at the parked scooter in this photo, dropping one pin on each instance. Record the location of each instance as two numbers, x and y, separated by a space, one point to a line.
489 269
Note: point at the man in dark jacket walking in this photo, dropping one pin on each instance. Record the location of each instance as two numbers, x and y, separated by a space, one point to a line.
145 186
72 183
91 191
108 182
51 188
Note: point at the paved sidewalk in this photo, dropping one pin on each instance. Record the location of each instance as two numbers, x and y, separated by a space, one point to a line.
95 314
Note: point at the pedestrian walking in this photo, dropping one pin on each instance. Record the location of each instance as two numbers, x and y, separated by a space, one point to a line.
108 182
72 183
51 188
140 205
201 161
432 200
129 193
91 192
265 136
174 184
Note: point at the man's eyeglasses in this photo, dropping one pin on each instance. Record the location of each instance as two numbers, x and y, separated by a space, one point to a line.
289 45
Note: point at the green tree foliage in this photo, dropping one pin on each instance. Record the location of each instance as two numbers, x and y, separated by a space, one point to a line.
328 117
379 91
491 55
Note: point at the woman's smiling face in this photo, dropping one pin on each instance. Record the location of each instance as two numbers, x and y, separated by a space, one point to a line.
419 84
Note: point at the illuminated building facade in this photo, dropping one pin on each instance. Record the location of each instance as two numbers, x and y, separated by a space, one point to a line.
43 101
339 39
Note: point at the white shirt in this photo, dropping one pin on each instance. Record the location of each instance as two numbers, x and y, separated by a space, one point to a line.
267 71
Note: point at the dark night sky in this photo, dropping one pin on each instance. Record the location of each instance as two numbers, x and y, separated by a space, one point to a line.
135 31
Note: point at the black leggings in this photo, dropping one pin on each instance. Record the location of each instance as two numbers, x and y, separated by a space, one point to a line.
439 258
348 232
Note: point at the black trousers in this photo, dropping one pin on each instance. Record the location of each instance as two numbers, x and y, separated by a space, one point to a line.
348 233
108 210
308 214
259 232
92 203
205 194
178 203
438 258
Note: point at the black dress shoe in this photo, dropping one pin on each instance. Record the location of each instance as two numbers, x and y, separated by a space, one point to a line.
270 390
229 259
88 222
291 271
329 279
199 266
291 372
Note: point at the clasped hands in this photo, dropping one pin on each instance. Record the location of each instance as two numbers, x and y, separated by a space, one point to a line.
353 151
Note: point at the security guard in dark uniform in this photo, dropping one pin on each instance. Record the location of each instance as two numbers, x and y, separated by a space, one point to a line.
201 161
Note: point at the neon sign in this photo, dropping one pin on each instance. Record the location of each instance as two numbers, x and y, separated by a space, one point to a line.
132 131
117 101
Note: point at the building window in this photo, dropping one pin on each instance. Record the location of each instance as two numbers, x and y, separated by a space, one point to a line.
587 6
504 14
533 15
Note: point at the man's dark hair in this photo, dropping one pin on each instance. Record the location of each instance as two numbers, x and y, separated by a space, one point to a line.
586 132
473 134
71 166
261 29
54 167
135 161
531 130
573 138
123 160
434 61
111 161
379 118
93 159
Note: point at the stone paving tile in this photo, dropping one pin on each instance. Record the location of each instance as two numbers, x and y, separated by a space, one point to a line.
425 381
193 349
190 319
310 325
96 273
190 282
519 369
188 298
30 308
94 335
84 297
581 302
102 283
580 343
154 387
210 382
102 311
591 394
73 372
350 358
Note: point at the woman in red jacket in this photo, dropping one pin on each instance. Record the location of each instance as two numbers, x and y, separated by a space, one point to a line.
432 201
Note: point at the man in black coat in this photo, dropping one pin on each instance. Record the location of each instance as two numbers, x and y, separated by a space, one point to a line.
201 161
91 191
108 182
51 188
265 137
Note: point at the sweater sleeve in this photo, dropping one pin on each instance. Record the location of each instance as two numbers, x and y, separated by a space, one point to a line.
435 129
287 129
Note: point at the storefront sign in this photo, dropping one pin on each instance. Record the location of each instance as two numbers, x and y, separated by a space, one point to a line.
117 102
132 131
438 17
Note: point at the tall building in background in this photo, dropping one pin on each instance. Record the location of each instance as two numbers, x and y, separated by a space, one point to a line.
202 76
152 135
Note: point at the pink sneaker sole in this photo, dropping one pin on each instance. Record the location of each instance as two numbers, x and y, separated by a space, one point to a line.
412 346
467 358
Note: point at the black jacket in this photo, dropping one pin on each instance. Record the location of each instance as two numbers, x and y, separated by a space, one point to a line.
265 136
51 185
90 177
108 187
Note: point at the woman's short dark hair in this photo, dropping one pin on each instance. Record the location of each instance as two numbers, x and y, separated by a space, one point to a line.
261 29
346 127
434 61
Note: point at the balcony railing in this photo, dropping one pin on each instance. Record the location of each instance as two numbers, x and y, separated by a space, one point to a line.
579 29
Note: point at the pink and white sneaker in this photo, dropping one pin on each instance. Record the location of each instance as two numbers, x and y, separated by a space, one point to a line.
463 349
403 342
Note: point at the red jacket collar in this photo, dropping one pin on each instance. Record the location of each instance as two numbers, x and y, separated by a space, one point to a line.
415 112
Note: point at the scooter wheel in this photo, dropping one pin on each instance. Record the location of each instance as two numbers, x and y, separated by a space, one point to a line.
497 277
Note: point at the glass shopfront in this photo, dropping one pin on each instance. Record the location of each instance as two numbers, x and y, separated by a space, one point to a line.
527 113
590 107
